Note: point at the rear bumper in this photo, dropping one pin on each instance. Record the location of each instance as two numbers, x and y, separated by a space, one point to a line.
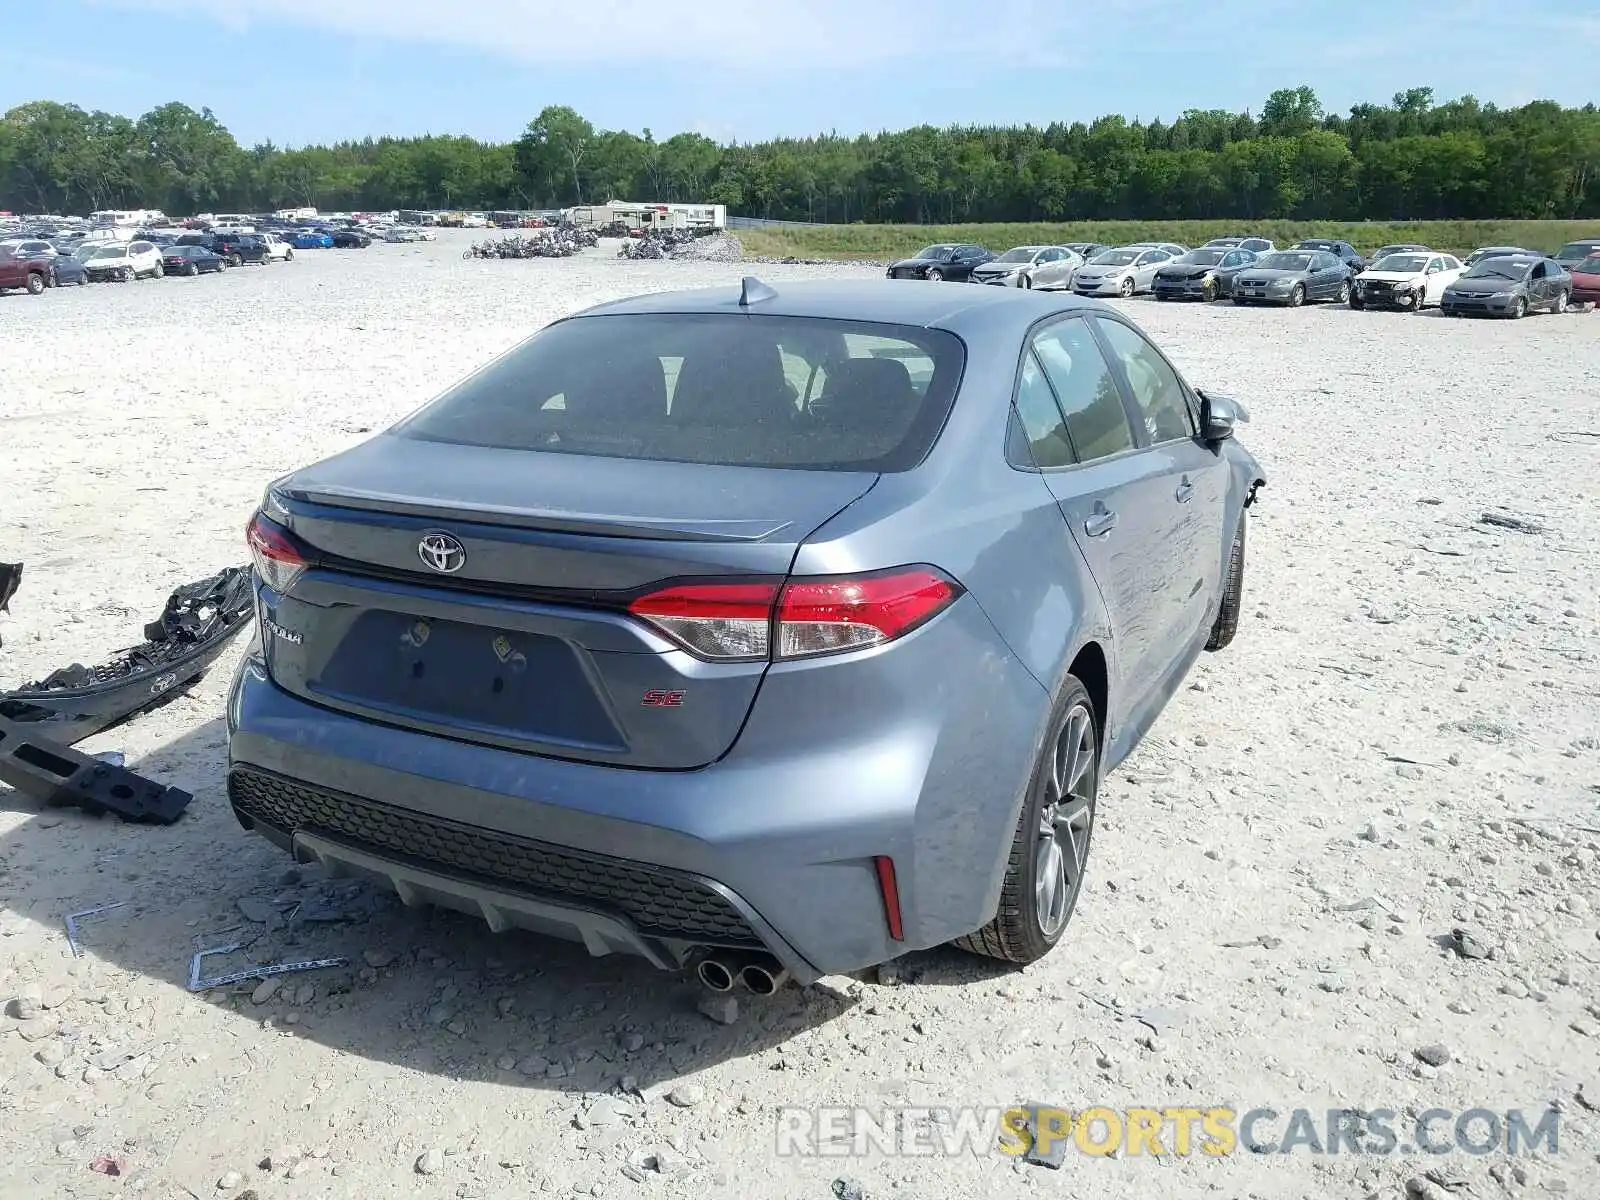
771 847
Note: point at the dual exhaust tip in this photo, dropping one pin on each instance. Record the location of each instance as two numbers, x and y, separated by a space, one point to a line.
760 976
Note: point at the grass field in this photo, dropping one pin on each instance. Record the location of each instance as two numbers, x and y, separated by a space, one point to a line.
899 241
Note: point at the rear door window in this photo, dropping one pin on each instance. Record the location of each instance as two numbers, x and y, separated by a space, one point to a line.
1156 390
1042 427
765 391
1097 422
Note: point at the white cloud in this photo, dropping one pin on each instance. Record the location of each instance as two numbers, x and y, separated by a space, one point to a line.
754 36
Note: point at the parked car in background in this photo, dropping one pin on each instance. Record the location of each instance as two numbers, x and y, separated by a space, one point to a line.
241 248
191 260
29 247
1047 268
1408 281
1509 286
278 247
1086 250
124 262
1171 248
1256 245
1576 252
22 272
1383 252
1293 277
67 270
1483 252
1343 251
952 261
349 239
1122 272
1586 280
312 239
1203 274
409 711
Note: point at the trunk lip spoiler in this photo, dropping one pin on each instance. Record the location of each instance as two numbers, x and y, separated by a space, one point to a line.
536 520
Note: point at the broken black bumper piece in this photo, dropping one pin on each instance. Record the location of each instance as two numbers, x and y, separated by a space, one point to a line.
62 776
196 626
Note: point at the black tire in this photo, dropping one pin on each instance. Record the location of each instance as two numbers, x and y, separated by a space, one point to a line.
1025 282
1297 295
288 255
1520 308
1560 304
36 284
160 271
1240 301
192 270
1127 289
1016 933
1227 622
935 275
1209 291
1356 302
1344 293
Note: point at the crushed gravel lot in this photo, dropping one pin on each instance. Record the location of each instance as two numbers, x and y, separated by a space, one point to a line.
1403 743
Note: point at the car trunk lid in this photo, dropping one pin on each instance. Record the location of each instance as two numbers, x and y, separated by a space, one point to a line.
519 635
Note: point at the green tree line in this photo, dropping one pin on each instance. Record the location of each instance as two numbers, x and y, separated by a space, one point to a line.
1410 159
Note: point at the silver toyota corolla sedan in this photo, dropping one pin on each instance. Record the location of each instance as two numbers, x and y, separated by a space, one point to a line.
765 630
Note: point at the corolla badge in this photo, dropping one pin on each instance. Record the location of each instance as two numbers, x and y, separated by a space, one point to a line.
441 552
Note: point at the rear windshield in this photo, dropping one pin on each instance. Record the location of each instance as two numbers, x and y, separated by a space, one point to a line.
760 391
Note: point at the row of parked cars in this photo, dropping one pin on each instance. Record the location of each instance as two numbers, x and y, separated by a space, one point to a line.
1494 280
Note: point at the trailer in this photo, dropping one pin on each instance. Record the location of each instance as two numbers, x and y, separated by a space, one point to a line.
648 216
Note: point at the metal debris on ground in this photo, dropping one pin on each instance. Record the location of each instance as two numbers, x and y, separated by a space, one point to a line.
1506 521
74 918
62 777
198 984
10 581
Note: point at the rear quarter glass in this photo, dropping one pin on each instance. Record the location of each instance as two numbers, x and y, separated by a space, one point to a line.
801 393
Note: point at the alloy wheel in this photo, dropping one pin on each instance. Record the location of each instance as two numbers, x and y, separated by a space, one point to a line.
1127 287
1066 820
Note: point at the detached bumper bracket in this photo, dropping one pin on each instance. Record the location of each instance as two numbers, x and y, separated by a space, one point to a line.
63 777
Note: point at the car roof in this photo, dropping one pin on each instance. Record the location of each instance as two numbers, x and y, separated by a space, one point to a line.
876 300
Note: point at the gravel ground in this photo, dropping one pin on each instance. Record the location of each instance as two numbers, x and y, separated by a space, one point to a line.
1403 742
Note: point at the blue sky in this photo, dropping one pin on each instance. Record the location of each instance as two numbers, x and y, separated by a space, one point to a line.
297 71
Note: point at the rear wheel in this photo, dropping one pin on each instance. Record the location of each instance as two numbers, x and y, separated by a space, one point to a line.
36 283
1050 847
1560 305
1227 622
158 272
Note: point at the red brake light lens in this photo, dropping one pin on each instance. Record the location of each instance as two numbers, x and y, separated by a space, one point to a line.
724 622
277 556
736 621
824 615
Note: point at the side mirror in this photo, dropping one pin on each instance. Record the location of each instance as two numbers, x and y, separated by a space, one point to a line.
1218 416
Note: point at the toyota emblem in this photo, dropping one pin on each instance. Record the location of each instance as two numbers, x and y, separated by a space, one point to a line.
441 552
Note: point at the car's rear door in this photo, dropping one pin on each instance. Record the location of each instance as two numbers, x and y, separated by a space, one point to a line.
1110 489
1189 504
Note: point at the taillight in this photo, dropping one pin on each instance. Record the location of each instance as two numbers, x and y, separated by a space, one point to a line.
278 557
737 621
720 621
823 614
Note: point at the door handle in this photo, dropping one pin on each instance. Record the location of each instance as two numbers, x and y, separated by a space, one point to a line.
1100 523
1185 490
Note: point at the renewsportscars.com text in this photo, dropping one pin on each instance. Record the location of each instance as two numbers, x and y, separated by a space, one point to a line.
1169 1131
